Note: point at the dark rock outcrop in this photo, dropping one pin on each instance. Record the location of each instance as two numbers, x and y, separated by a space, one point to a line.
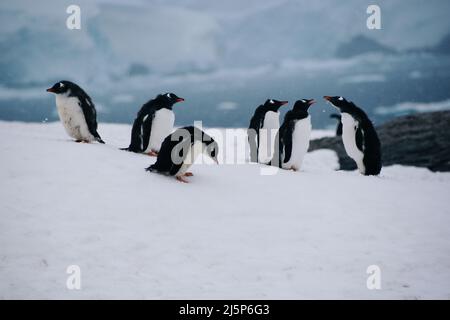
421 140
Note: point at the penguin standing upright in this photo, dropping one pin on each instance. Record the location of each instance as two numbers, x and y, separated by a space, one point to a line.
180 149
261 137
359 136
76 111
293 136
154 122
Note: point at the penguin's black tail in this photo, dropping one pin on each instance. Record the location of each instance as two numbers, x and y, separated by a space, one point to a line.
98 138
152 168
130 149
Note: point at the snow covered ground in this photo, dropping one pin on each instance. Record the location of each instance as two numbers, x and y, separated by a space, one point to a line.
230 233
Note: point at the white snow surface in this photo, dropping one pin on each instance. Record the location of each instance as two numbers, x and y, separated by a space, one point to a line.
230 233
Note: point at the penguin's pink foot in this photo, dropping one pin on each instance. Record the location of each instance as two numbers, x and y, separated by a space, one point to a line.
188 174
294 168
152 153
182 179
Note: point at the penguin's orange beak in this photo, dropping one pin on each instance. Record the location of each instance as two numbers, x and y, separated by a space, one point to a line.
50 90
311 102
180 100
328 98
284 102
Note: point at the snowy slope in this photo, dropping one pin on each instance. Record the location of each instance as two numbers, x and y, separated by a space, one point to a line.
230 233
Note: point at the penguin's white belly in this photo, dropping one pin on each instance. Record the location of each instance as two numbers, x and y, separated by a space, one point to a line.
300 143
72 118
267 136
162 126
192 154
349 126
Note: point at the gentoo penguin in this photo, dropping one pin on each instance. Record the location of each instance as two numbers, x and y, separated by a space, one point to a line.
293 136
359 136
261 131
339 124
154 122
180 149
76 111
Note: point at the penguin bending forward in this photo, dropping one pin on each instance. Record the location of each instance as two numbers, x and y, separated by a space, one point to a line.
180 149
154 122
359 136
76 111
260 138
293 136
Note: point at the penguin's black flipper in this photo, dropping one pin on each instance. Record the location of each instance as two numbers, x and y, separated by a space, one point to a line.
147 129
181 149
140 133
256 123
90 114
359 137
286 132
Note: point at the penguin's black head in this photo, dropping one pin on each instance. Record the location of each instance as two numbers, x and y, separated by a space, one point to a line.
61 87
169 99
339 102
303 104
273 104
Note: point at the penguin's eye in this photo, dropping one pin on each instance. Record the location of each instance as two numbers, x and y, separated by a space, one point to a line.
168 95
341 99
61 85
304 101
271 101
